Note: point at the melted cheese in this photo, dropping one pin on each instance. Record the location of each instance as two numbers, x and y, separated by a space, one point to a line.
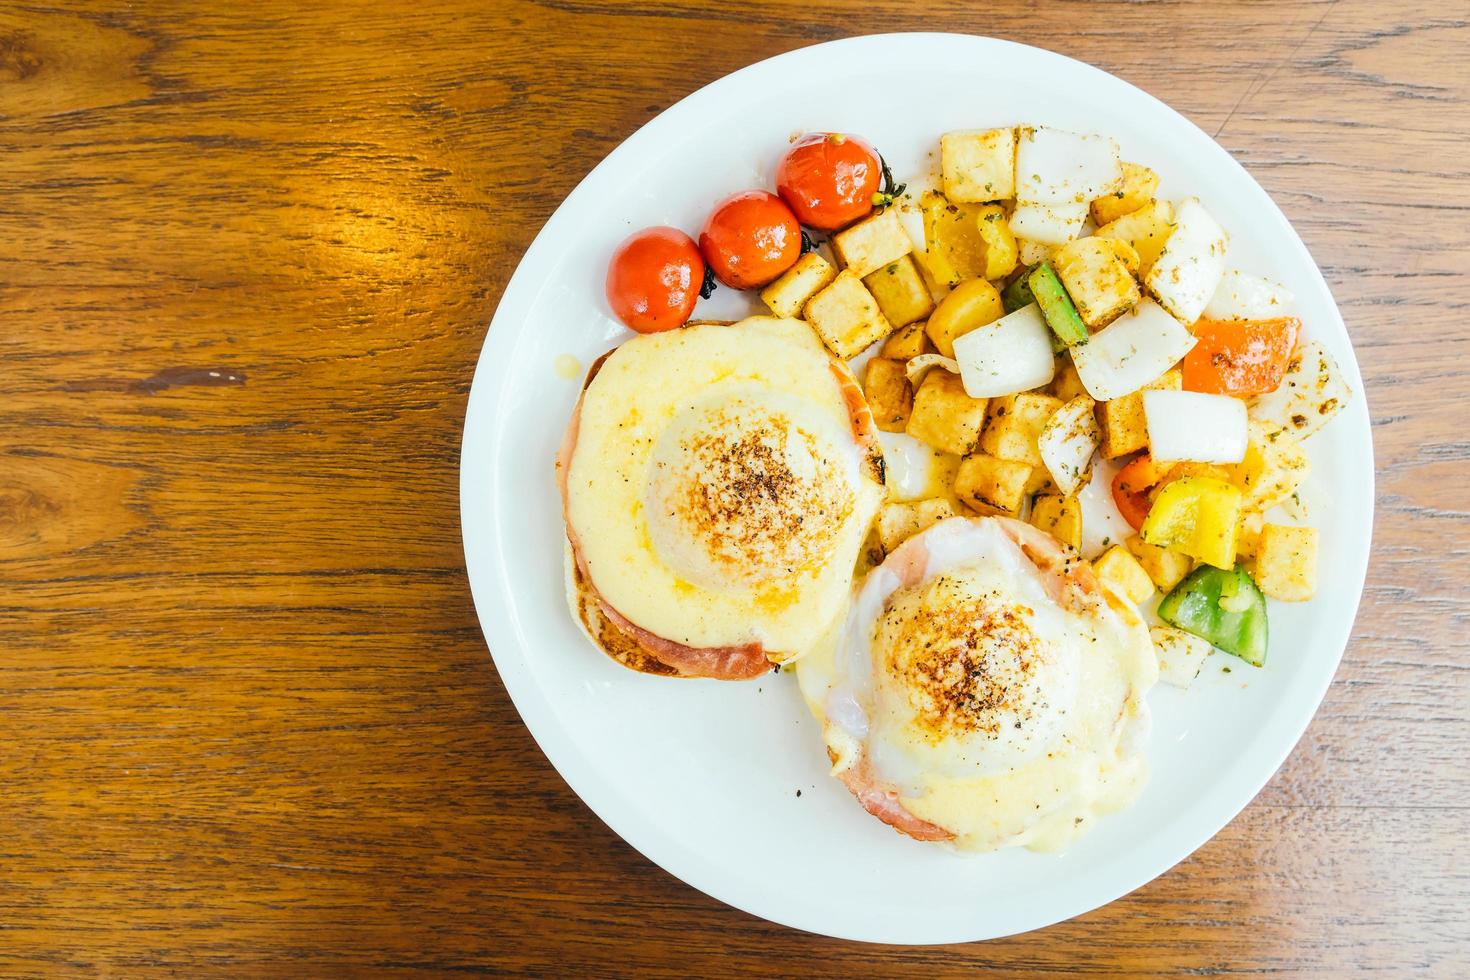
716 488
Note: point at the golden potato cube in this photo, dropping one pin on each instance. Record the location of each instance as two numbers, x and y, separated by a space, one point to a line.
1099 283
1145 231
1248 534
1123 425
1119 568
971 304
1013 424
846 316
788 294
900 521
1164 566
1067 384
900 291
1139 186
1286 562
978 164
1061 517
943 415
889 394
872 243
1040 482
907 343
992 485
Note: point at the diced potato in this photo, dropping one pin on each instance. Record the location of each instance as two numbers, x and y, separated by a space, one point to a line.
1146 231
978 165
1248 534
1139 185
1040 482
1013 424
944 416
952 238
889 394
1031 253
1181 654
788 294
1119 568
900 291
1061 517
992 485
1275 464
1125 430
971 304
1286 562
872 243
907 343
901 521
1066 385
1099 283
1001 250
846 316
1164 566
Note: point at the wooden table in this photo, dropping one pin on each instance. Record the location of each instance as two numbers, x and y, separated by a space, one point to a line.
247 258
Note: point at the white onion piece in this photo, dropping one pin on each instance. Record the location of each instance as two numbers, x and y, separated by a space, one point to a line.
1010 355
1189 268
1311 393
1193 426
1048 224
1067 443
916 366
1243 296
1181 654
1054 166
1131 351
1102 524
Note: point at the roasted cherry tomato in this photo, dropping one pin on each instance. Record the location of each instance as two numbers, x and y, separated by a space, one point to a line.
829 179
1131 487
654 278
750 239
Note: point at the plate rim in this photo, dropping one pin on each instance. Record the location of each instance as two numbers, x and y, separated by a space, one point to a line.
476 502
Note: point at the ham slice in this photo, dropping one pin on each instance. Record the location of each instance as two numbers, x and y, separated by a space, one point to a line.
883 803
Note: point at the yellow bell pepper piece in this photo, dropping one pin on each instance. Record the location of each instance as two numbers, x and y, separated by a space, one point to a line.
1001 250
1197 515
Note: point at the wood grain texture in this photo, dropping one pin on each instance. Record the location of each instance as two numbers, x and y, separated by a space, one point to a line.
247 257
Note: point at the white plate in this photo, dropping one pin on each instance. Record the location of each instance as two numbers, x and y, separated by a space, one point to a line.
702 776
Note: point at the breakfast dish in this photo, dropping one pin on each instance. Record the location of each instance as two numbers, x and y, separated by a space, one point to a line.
983 683
1117 413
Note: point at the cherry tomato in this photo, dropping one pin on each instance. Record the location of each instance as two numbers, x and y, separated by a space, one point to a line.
1130 489
829 179
750 239
654 278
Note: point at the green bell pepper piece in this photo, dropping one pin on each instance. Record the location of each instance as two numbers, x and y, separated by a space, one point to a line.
1017 295
1056 305
1224 607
